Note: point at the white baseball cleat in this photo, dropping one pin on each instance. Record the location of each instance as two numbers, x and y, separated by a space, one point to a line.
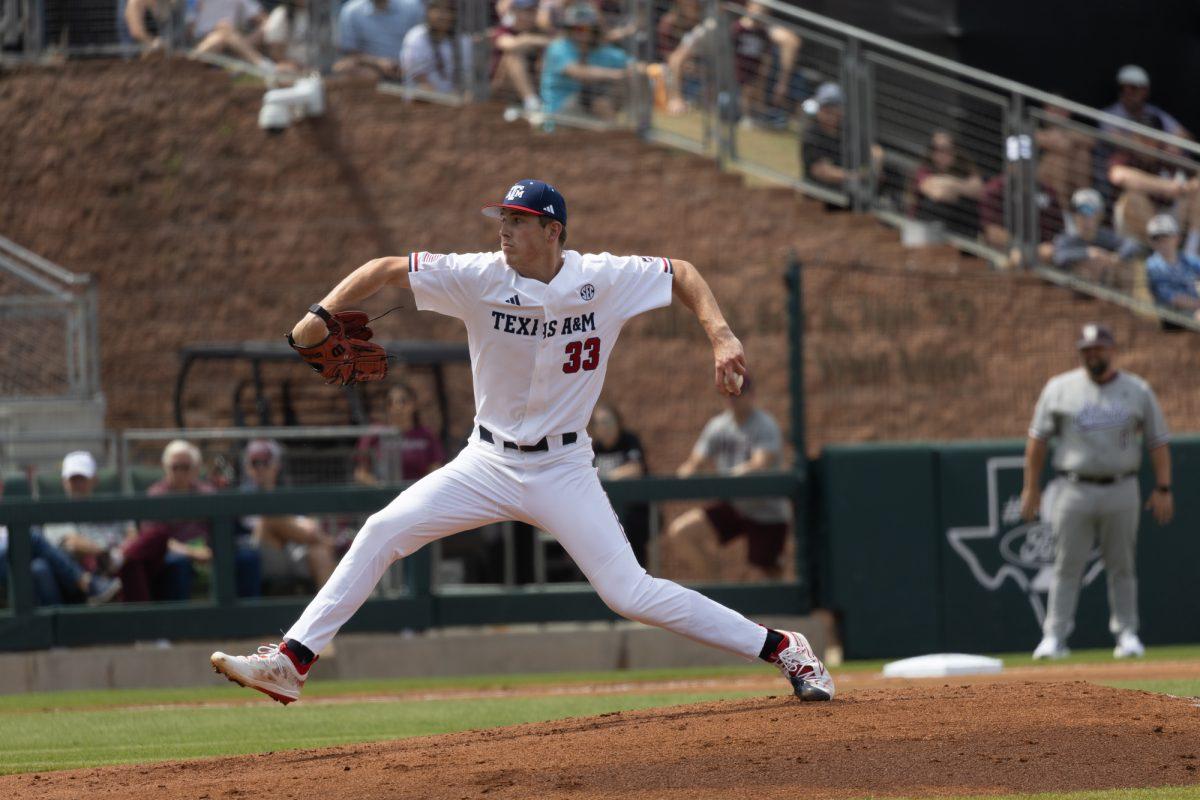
270 671
1050 647
1129 646
800 665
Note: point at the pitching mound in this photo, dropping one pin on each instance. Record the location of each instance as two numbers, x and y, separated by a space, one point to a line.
915 741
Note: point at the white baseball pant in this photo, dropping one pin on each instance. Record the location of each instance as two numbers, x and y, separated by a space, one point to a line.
556 490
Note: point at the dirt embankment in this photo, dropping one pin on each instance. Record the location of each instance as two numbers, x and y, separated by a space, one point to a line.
200 228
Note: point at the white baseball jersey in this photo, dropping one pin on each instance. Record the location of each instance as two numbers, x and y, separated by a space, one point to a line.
539 351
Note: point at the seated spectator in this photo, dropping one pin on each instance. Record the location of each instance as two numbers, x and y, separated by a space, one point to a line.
144 22
429 58
371 35
285 35
742 440
1064 155
95 546
1133 90
580 74
1172 275
415 454
1018 150
57 579
758 50
517 48
619 456
821 145
159 559
1149 185
681 17
1091 251
228 26
948 187
293 549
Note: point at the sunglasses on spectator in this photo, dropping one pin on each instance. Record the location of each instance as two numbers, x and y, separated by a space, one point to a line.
260 463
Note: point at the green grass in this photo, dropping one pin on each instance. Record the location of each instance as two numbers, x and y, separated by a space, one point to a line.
64 730
70 739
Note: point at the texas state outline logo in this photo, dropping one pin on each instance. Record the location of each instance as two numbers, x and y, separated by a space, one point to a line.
1007 548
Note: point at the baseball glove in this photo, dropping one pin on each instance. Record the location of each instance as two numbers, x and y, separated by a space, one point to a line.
346 355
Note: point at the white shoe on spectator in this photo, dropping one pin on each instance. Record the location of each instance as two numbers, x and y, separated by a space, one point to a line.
1050 647
533 104
1129 646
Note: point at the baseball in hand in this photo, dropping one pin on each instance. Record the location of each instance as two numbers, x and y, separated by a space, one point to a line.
733 382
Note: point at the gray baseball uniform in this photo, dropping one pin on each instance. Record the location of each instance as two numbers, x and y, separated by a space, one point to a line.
1099 432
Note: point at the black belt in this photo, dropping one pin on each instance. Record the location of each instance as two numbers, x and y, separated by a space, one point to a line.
1102 480
539 446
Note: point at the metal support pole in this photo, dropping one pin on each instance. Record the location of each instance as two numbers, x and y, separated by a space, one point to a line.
20 569
794 280
224 568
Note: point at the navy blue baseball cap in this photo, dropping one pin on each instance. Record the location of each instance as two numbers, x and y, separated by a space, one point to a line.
532 197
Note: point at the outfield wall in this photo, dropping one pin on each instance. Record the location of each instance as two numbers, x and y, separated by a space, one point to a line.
921 551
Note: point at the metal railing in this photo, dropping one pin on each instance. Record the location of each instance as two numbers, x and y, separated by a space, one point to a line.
420 605
37 295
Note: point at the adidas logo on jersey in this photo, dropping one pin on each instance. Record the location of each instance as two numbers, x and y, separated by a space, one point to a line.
515 300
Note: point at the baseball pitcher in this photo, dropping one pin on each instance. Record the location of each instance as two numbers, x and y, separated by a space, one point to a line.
541 323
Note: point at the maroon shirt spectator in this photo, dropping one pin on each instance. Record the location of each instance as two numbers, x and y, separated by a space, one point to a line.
991 208
414 455
751 48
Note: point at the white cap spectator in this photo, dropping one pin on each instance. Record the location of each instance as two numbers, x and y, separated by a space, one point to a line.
1132 75
827 94
79 462
1087 202
1162 225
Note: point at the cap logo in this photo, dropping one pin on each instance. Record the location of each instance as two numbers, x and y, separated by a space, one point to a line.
515 192
1090 332
549 209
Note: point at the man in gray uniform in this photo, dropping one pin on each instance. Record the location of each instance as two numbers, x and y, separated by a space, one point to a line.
1100 418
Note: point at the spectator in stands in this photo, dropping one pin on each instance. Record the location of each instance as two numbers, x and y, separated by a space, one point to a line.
619 456
947 187
580 73
1133 90
517 46
230 27
371 35
158 561
56 577
144 22
293 549
95 546
1148 185
742 440
1018 151
1089 249
1064 155
1172 275
434 55
415 454
758 50
285 35
683 16
821 145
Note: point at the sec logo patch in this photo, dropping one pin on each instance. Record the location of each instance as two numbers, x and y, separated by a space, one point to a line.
587 292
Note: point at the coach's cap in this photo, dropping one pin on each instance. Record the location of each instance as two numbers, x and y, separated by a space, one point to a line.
1132 75
1094 334
1087 202
1162 225
79 462
827 94
533 197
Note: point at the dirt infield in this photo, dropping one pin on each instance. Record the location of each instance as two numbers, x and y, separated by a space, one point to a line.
925 739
